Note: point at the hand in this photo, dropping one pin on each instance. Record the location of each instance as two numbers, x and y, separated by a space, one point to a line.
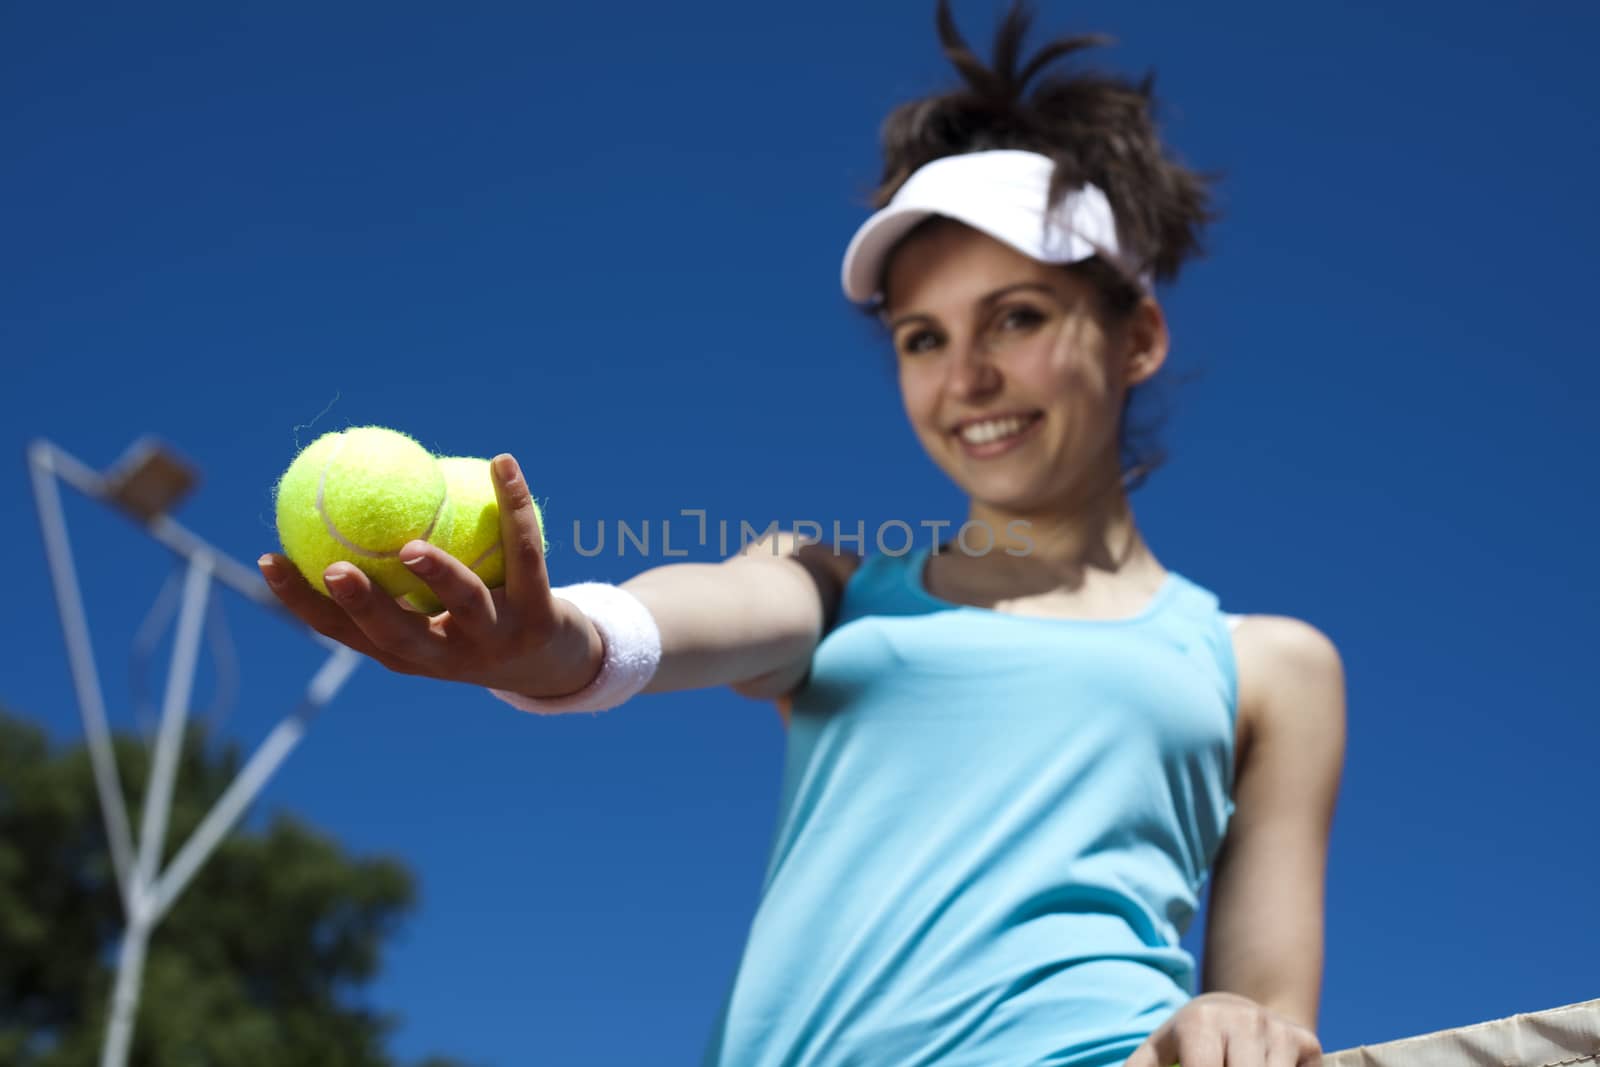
518 637
1226 1030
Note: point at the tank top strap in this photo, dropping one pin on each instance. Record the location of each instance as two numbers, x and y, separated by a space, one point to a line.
884 584
1196 620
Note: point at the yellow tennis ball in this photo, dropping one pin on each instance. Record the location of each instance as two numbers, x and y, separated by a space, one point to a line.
359 495
469 529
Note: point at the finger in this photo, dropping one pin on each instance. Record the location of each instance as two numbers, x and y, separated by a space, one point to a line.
406 636
1160 1049
1305 1049
527 582
463 594
1198 1046
1246 1043
1145 1056
309 606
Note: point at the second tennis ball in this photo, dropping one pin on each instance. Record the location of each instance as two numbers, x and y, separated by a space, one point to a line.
469 529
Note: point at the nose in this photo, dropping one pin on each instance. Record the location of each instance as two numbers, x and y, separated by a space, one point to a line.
972 371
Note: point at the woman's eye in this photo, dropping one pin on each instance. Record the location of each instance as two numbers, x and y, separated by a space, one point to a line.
1021 318
921 341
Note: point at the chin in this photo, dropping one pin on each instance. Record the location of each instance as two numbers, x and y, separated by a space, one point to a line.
1005 496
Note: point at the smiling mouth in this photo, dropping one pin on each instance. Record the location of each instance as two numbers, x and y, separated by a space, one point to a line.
993 431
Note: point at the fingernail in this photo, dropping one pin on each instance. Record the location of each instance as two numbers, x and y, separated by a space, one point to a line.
340 585
269 570
505 467
420 564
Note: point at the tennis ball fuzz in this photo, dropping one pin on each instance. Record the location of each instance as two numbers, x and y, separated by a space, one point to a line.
359 495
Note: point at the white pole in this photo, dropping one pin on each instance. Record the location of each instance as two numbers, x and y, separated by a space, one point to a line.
80 656
125 995
157 808
174 715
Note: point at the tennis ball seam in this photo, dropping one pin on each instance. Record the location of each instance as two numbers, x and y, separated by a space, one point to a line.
333 531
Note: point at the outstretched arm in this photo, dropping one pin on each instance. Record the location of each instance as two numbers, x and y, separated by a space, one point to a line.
750 620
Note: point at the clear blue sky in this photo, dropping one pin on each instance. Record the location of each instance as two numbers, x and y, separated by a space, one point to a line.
606 238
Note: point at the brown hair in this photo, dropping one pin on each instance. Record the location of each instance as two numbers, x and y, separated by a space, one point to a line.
1096 127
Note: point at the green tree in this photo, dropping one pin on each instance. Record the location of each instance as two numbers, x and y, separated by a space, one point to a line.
260 963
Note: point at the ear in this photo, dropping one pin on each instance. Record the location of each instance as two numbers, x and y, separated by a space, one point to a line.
1146 340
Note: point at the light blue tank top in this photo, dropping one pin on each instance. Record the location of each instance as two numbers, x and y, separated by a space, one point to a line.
992 832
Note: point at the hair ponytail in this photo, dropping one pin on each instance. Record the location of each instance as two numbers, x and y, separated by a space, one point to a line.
1096 127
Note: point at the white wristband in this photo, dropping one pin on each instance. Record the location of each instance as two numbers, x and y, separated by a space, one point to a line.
632 651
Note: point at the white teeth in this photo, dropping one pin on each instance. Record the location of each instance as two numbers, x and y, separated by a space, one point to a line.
981 433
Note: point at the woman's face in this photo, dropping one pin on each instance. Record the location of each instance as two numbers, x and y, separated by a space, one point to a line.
1011 380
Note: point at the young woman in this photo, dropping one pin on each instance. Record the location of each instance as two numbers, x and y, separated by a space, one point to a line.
1011 768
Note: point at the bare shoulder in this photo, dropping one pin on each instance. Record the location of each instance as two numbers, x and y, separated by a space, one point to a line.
1290 643
1288 671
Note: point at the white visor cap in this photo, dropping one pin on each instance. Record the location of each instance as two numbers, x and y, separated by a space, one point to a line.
1002 193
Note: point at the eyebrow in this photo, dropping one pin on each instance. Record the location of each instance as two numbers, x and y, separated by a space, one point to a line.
983 301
